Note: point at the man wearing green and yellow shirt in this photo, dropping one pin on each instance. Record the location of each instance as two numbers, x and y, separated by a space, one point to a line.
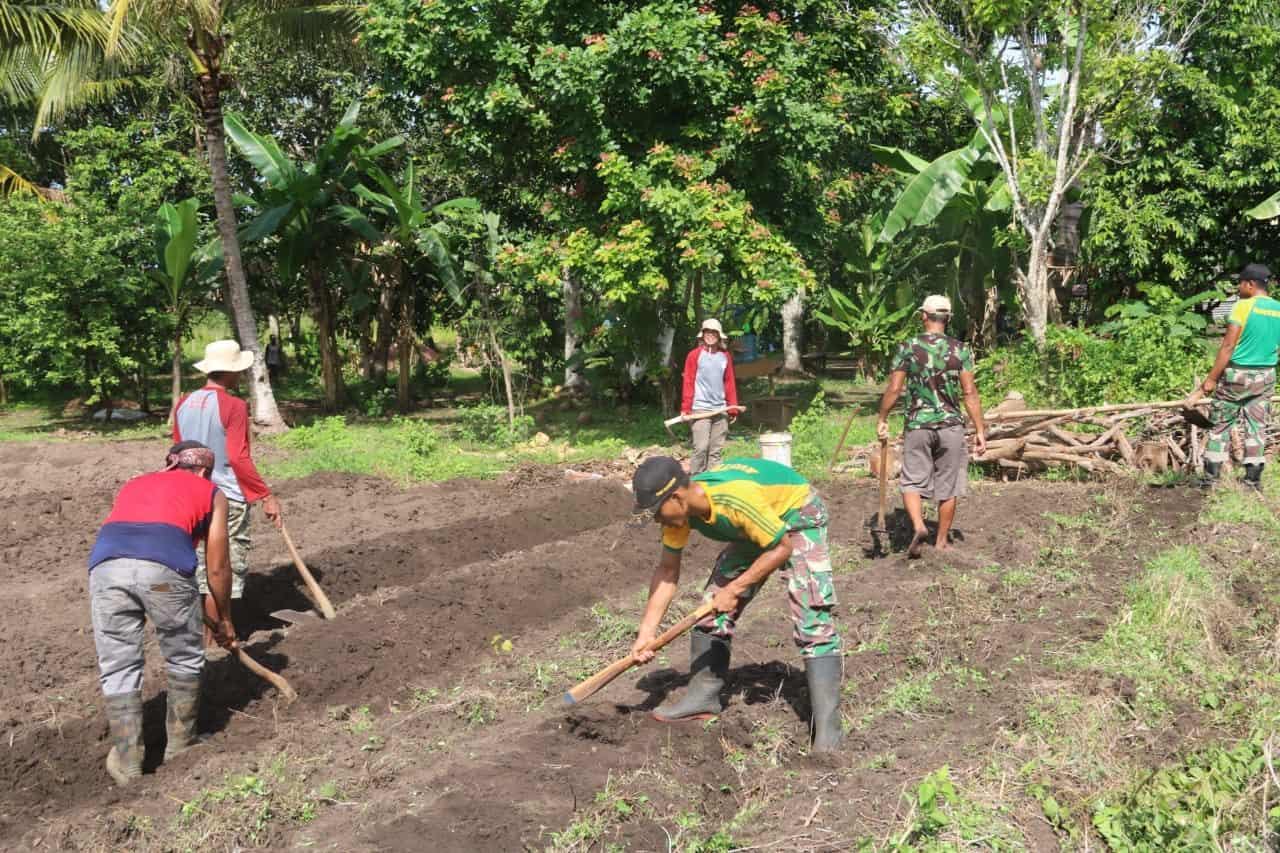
1243 378
772 520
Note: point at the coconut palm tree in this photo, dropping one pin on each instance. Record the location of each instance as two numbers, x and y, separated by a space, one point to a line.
199 30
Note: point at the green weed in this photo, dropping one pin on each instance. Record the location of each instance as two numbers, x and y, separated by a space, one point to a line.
942 818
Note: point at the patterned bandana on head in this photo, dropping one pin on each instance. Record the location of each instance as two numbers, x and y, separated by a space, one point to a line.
189 457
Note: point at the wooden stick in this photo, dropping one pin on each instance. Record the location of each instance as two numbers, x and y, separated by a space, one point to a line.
835 457
615 669
317 594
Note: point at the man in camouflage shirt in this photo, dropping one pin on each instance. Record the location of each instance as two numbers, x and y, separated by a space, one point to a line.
1243 378
937 371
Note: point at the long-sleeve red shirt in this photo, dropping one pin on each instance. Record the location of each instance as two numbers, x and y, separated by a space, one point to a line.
220 421
691 376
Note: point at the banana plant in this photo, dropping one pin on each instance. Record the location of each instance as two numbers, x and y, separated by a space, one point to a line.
300 209
963 194
181 267
1268 208
413 242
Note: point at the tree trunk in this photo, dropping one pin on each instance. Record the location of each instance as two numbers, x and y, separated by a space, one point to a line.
330 367
792 319
698 316
262 400
571 287
1033 290
385 331
403 398
506 377
4 391
986 337
176 383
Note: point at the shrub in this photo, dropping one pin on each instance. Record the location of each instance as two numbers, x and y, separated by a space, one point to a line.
813 438
1150 350
419 438
487 424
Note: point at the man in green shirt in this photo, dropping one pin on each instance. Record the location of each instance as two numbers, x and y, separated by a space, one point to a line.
1243 378
937 373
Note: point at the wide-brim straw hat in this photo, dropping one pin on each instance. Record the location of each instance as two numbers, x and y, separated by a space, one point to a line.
225 357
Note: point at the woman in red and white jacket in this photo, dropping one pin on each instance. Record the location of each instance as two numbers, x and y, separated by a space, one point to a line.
709 387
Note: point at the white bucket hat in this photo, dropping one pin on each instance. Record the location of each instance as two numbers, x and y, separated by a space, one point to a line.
713 325
936 305
224 357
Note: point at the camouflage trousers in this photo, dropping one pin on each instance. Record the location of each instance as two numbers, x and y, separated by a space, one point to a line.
811 593
1242 394
238 544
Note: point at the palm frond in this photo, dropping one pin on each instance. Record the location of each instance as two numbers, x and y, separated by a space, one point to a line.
11 183
46 27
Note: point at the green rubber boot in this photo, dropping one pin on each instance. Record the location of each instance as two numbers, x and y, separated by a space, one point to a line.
124 714
180 717
709 670
823 674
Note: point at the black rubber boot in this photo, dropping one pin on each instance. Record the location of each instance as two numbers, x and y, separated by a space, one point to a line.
180 719
124 714
1212 470
1253 476
709 670
823 674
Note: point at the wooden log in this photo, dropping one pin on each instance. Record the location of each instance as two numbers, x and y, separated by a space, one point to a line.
1106 438
1064 436
1126 449
1175 450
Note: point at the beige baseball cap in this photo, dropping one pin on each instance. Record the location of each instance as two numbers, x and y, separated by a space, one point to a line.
936 304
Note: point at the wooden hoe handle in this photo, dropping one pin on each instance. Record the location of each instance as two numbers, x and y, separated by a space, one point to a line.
884 480
321 600
278 681
613 670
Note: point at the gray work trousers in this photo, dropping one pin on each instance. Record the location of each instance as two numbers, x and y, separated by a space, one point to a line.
709 436
123 593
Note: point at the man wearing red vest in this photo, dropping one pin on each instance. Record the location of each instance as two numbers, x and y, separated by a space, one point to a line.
220 421
142 566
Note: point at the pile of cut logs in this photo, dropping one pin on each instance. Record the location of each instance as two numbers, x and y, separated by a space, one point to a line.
1154 437
1151 437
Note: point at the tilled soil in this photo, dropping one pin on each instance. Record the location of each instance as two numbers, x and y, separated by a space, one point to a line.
444 737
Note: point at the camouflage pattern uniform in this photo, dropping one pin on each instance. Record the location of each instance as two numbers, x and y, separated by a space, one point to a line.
811 593
1242 392
935 459
933 364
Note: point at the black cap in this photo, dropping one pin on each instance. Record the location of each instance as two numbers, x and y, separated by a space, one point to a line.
1255 272
655 480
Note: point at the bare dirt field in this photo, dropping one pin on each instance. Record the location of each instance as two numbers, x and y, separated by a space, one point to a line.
430 714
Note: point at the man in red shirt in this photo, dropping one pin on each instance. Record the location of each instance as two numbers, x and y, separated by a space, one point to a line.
220 421
143 567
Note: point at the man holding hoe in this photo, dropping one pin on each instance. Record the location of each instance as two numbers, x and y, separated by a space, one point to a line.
772 520
937 372
1243 378
220 421
143 567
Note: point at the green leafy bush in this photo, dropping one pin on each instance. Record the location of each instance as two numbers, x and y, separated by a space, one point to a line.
813 438
1209 802
419 438
325 433
1150 350
487 424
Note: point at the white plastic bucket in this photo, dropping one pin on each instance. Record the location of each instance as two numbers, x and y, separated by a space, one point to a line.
776 447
